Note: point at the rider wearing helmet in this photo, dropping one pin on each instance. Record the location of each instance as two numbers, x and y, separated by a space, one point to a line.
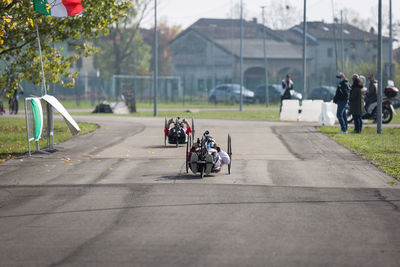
215 158
184 121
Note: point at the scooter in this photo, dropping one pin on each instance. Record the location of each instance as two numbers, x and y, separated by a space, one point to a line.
387 107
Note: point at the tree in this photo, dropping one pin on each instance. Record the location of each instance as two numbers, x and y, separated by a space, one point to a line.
123 51
166 34
19 47
281 15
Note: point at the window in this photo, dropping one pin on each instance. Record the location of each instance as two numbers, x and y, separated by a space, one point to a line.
330 52
352 45
353 57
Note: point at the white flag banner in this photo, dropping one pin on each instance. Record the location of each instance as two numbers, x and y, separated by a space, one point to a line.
71 123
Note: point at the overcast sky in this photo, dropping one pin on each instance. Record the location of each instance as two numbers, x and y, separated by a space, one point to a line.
186 12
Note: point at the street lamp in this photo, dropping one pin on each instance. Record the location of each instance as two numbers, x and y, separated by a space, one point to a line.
265 60
214 26
241 55
155 72
379 111
391 74
304 47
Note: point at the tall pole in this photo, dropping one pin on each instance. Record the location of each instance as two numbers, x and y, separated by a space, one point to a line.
391 74
232 37
335 41
241 55
155 71
379 114
265 60
41 60
213 54
342 37
304 48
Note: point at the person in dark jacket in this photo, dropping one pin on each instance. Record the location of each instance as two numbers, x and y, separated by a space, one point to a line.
356 101
287 87
372 95
341 98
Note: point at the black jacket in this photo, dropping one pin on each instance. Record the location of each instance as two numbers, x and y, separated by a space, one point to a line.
342 92
356 100
372 95
287 87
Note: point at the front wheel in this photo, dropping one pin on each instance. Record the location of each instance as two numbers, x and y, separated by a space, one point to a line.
229 148
350 118
387 114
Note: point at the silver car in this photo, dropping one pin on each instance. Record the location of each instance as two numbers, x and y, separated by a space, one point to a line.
230 93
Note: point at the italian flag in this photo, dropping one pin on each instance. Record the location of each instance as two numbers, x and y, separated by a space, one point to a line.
58 8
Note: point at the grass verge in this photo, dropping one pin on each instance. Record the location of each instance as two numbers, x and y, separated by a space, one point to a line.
382 150
72 104
264 115
13 136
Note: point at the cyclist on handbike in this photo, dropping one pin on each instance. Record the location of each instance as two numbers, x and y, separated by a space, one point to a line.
208 150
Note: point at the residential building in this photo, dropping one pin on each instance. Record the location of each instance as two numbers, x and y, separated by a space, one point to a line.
208 53
359 46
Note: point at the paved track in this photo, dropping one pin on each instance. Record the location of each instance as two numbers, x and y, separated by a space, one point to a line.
295 198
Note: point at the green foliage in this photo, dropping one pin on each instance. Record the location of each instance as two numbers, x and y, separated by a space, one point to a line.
19 49
122 50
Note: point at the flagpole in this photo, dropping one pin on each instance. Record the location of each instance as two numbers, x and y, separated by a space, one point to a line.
41 58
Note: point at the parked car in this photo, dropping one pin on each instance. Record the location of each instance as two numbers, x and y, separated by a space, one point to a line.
230 93
323 92
275 92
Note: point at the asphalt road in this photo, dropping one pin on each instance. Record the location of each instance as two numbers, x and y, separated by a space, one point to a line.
118 197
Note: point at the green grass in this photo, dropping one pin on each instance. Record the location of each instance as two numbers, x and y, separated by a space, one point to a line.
382 150
13 136
71 104
396 118
264 115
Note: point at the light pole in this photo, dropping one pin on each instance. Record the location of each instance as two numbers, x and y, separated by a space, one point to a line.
304 47
342 37
335 21
265 60
379 113
391 74
155 71
214 75
241 55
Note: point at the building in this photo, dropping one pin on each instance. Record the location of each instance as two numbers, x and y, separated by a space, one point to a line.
358 47
208 53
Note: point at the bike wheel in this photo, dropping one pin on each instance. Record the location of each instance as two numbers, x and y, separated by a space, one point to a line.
229 148
192 129
350 118
165 136
387 115
187 155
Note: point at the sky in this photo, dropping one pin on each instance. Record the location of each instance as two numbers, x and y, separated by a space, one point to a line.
186 12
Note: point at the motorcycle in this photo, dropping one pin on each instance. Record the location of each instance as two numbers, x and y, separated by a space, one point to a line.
387 107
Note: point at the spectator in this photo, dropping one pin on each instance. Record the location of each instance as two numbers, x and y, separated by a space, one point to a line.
341 98
287 87
356 102
372 95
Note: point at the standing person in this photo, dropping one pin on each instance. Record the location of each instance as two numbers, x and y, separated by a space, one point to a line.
356 101
287 87
341 97
372 95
